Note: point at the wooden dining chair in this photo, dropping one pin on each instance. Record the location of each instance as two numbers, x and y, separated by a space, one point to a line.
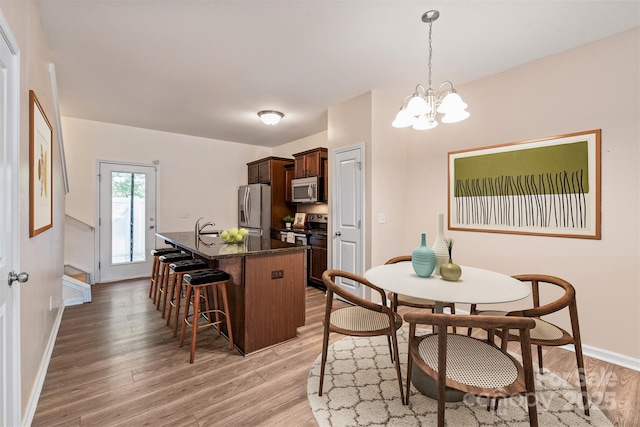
363 318
545 333
406 300
471 365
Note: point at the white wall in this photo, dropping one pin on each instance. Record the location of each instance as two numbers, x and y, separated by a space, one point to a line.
41 255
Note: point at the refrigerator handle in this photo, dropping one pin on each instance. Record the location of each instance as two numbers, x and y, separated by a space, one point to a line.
247 204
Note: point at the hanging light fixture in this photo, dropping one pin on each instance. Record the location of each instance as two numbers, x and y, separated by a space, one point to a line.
422 106
270 117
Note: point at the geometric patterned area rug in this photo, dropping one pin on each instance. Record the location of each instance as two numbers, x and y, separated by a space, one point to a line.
361 389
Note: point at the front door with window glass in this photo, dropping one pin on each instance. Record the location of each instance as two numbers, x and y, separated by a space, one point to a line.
127 220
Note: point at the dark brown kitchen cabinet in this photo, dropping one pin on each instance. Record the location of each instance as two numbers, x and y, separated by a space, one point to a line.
309 163
271 170
261 171
288 177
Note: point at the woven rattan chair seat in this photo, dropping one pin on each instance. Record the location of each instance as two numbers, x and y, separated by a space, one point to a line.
471 361
359 319
543 330
405 299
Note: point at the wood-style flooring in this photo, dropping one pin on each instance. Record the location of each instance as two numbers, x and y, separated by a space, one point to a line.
115 362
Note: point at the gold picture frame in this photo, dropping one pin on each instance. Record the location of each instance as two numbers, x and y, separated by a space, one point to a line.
40 162
546 187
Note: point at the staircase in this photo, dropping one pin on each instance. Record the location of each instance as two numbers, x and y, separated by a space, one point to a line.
76 287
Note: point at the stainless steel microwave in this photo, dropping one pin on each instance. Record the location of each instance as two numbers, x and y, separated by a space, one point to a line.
306 190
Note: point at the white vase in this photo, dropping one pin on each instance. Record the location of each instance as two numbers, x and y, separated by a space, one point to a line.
440 246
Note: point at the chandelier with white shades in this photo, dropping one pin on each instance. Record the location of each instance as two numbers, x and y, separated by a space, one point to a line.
422 106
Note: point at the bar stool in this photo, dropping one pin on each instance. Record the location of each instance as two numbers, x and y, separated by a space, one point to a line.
206 279
165 261
174 292
155 268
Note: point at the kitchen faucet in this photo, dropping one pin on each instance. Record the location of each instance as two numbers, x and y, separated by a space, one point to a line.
198 228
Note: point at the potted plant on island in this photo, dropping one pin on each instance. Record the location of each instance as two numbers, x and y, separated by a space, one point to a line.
288 220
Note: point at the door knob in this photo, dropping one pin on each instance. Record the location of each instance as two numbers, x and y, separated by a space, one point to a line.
21 278
338 233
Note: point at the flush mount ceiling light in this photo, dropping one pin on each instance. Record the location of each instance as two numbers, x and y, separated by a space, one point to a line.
420 111
270 117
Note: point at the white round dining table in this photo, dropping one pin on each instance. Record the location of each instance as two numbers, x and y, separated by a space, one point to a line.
475 286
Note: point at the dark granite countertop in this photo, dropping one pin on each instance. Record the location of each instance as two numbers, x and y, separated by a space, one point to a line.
213 247
302 231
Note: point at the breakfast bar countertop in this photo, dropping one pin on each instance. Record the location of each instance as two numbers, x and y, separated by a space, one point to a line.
211 246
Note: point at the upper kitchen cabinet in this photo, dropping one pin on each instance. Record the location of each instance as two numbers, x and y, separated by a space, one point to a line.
309 163
288 177
266 170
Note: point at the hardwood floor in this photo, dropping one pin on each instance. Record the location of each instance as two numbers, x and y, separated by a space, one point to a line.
115 362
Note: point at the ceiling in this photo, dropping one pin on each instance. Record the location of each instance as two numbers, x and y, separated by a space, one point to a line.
206 67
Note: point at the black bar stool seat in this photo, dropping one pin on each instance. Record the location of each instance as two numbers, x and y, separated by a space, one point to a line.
161 288
155 268
210 279
175 289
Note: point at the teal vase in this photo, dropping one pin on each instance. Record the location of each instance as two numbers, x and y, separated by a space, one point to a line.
423 258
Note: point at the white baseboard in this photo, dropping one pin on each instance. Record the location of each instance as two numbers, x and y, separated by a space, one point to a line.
608 356
42 371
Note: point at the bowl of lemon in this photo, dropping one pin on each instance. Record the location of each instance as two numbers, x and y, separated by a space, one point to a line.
234 235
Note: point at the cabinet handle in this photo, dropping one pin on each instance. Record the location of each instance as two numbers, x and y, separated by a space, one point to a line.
338 233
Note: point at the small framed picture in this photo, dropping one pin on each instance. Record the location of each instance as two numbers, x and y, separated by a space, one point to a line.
300 220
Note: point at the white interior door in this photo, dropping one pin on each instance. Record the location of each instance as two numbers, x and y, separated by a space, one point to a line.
347 194
127 198
9 221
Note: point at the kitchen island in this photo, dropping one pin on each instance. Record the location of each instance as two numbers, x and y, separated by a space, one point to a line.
267 290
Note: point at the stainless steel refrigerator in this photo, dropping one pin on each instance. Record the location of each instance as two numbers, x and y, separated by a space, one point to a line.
254 209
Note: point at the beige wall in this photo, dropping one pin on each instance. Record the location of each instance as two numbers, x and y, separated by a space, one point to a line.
589 87
40 256
195 175
349 124
313 141
593 86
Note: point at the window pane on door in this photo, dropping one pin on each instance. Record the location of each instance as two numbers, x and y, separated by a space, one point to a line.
127 217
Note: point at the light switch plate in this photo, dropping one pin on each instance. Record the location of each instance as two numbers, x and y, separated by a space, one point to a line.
382 218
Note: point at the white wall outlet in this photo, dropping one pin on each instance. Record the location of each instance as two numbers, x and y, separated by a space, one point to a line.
382 218
183 214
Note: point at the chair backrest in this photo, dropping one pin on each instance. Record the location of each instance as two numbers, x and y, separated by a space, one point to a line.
524 383
484 322
329 277
568 299
401 258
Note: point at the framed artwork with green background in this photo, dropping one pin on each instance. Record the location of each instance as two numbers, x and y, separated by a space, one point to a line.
548 186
